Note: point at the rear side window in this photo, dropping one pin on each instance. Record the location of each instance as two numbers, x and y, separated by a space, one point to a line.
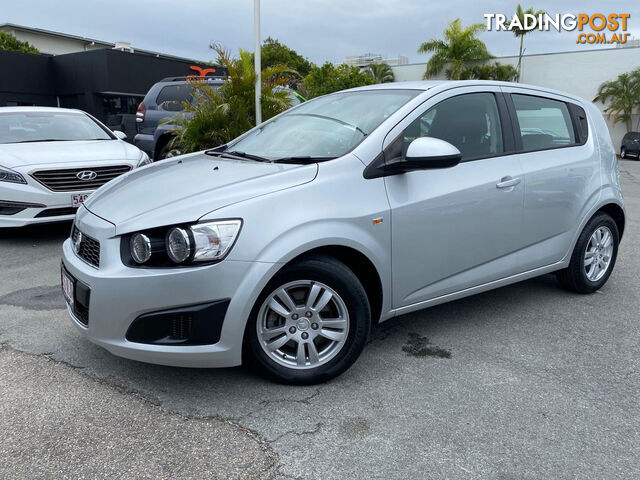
171 97
544 123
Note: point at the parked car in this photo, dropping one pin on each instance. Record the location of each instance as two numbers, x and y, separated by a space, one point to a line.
630 147
283 247
51 159
163 103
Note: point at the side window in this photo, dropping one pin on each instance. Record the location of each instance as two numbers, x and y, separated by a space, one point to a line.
544 123
171 97
470 122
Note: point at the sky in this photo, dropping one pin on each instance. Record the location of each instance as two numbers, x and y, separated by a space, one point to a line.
322 31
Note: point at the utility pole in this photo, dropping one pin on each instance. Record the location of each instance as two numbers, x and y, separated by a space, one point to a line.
256 56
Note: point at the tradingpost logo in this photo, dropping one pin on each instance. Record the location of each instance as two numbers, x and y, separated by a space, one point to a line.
597 28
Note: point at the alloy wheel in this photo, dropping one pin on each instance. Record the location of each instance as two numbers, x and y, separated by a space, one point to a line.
303 324
597 256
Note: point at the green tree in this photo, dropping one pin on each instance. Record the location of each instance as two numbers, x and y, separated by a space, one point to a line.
329 78
218 116
380 72
622 97
11 43
274 53
519 31
459 47
497 71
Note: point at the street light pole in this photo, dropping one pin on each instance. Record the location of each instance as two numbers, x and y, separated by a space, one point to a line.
256 56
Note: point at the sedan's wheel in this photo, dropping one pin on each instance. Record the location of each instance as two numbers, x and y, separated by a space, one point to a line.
593 257
310 323
623 152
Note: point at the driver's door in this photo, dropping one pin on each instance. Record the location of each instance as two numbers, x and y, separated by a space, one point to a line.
459 227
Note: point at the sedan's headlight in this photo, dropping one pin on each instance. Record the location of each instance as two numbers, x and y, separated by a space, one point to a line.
205 242
7 175
144 160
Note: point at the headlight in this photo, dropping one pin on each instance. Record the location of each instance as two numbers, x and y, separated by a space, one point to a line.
140 246
178 245
7 175
181 245
214 239
144 160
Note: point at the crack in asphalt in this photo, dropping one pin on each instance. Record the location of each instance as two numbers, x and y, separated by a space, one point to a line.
127 390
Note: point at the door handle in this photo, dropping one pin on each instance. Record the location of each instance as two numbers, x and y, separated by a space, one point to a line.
508 182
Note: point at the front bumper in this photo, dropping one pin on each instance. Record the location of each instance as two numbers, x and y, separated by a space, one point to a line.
120 294
53 206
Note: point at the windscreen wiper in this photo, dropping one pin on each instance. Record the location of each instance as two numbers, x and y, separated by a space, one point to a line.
302 159
44 140
237 155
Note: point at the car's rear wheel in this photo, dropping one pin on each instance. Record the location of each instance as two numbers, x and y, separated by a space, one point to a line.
623 152
310 323
593 257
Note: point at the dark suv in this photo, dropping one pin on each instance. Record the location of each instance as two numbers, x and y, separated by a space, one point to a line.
630 147
163 101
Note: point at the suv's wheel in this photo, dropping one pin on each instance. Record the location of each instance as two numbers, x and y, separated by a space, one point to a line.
167 152
593 257
623 152
310 323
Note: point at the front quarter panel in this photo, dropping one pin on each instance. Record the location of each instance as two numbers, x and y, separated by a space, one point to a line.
337 209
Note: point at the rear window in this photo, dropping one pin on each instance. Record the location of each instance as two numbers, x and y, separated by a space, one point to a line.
544 123
172 97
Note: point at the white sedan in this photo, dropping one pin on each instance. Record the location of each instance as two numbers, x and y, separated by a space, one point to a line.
51 159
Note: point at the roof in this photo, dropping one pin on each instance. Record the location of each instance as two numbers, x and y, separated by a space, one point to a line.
38 109
429 84
90 41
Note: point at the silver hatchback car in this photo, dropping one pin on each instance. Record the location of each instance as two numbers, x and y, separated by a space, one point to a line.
284 246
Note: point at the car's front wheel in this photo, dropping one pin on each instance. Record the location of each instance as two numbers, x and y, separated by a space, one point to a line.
593 256
310 323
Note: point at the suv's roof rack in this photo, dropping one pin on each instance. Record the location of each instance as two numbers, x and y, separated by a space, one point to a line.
188 77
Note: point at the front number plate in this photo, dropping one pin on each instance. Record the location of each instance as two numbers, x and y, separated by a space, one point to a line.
68 284
78 199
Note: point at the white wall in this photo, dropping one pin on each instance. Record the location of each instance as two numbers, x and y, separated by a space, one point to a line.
53 45
579 73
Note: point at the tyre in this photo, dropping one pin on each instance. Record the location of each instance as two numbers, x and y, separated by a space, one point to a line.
593 257
623 152
310 323
167 152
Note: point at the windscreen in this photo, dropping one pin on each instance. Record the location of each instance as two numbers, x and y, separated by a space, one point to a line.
27 127
326 127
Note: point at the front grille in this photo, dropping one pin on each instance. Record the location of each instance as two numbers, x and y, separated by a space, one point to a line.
88 249
66 180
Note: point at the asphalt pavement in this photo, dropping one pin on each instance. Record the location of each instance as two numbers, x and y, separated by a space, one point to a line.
523 382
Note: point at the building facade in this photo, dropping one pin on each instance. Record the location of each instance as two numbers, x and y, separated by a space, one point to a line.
106 82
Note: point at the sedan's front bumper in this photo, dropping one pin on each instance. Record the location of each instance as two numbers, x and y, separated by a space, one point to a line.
120 294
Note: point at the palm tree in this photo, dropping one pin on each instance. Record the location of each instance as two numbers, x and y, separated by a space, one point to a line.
459 47
623 95
380 72
220 115
521 32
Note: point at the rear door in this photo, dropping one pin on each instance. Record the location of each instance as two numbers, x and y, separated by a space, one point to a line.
561 171
458 227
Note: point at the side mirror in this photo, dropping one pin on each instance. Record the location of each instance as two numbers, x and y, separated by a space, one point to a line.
120 135
426 153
